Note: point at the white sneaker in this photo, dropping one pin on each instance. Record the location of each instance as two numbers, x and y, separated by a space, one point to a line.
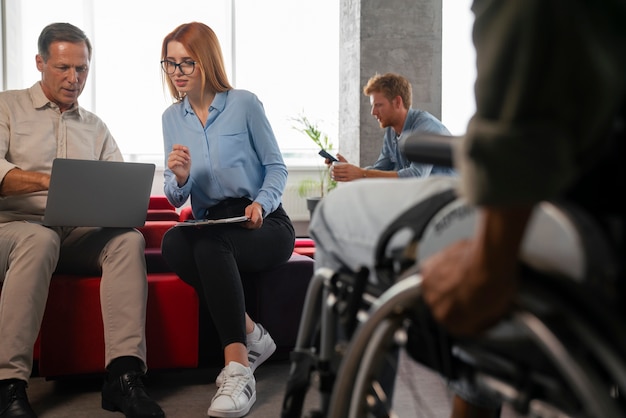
237 393
258 352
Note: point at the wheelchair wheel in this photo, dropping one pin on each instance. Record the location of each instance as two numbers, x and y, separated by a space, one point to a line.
561 365
364 386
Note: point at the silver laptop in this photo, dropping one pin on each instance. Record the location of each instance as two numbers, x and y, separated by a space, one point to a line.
98 193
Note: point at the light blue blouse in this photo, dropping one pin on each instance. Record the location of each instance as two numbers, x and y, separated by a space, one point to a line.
234 155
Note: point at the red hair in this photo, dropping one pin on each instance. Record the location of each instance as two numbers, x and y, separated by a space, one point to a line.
204 48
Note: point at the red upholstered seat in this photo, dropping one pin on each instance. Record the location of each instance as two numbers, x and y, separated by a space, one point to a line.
153 232
160 203
160 209
162 215
72 340
186 213
305 246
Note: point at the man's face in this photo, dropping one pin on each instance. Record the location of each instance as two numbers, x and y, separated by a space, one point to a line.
64 75
384 110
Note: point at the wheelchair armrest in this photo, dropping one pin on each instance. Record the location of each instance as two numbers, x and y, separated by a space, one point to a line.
429 148
415 219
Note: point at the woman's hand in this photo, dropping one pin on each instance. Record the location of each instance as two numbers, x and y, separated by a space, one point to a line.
254 212
179 161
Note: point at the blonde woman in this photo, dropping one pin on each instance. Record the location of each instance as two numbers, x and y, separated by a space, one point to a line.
221 151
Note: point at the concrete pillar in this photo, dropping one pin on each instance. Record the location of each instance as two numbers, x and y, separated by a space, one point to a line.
379 36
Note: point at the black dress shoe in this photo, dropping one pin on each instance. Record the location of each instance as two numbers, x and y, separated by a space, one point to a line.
13 401
127 394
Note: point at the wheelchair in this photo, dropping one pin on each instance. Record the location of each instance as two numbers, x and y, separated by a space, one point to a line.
560 353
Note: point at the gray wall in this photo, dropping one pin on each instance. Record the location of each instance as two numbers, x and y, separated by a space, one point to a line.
379 36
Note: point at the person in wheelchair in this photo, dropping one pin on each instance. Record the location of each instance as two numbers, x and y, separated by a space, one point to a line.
548 95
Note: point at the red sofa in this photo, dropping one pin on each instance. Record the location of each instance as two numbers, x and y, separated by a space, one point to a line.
178 328
71 339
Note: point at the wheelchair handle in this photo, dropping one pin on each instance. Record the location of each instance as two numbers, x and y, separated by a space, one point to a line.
429 148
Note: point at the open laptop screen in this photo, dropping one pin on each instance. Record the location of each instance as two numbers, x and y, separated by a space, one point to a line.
98 193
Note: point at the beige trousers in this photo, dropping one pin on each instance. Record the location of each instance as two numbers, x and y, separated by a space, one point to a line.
30 253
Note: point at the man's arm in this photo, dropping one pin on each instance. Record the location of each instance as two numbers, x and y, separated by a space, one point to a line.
471 284
373 173
17 182
349 172
344 171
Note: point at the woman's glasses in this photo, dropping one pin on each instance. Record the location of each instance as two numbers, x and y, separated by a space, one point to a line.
186 67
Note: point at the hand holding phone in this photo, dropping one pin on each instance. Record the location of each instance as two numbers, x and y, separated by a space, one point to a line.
327 155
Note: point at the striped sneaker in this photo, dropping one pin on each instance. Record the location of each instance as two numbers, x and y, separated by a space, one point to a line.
236 395
258 351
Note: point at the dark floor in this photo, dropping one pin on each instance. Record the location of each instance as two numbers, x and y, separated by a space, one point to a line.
187 393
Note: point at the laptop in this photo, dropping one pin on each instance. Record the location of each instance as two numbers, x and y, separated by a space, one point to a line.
98 193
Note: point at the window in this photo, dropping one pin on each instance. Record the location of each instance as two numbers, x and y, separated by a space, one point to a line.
22 30
458 66
285 52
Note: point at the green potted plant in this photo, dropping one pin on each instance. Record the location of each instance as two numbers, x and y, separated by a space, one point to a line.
315 189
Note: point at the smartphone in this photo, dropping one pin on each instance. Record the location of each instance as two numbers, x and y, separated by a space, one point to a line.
327 155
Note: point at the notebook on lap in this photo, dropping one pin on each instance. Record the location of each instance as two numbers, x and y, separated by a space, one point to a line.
221 221
98 193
